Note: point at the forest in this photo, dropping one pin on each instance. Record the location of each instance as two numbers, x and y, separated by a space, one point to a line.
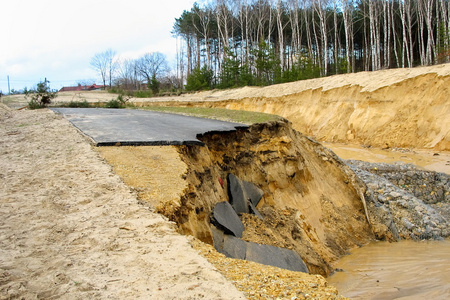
232 43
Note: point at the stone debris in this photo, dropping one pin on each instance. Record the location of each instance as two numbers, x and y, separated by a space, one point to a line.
259 281
406 202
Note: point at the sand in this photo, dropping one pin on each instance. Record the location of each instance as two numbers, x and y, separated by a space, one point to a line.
71 229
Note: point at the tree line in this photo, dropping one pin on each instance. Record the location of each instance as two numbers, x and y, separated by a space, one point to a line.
150 72
230 43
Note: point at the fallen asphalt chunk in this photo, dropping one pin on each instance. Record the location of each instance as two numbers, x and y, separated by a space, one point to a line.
224 216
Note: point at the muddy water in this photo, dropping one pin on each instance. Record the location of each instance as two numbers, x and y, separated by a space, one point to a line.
438 161
403 270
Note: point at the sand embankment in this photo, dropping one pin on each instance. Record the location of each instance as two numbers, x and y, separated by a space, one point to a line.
405 108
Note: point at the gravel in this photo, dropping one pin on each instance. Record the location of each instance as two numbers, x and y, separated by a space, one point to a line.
411 203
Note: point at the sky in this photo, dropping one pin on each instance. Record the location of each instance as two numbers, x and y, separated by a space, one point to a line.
56 39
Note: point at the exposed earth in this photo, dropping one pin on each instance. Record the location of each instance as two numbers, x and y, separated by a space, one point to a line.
312 198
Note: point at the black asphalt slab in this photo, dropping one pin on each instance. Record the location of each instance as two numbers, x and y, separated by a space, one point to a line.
109 127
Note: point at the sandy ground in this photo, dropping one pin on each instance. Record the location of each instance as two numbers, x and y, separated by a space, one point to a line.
71 229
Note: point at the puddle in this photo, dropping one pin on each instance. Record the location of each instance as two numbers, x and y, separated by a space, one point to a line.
438 161
403 270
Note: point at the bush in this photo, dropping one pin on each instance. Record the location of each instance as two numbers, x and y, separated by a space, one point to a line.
143 94
117 103
114 103
33 104
41 97
78 104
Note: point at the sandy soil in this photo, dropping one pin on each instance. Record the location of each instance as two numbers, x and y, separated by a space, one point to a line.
71 229
154 173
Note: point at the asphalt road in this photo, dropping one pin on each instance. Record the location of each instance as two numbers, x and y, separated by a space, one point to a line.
108 127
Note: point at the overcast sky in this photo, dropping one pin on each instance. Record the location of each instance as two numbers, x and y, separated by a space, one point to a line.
56 39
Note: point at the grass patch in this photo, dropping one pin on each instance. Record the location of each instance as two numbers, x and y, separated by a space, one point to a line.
76 104
239 116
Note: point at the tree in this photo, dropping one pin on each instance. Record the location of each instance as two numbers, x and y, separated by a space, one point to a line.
199 79
154 85
128 77
354 35
105 63
152 65
230 72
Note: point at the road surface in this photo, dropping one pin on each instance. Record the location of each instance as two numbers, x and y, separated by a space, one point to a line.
108 127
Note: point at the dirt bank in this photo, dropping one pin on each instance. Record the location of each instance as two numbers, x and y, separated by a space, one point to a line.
313 203
310 205
406 108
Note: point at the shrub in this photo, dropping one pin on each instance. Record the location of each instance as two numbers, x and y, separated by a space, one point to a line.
117 103
114 103
78 104
41 97
143 94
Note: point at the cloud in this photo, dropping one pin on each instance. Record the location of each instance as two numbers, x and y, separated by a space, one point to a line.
49 39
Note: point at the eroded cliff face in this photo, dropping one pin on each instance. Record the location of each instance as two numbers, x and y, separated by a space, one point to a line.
312 202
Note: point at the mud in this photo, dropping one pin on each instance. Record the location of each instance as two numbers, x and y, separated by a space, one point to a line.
404 270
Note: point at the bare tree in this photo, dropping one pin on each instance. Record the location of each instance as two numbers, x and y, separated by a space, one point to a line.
348 25
204 17
294 19
280 28
105 63
431 49
128 76
320 7
152 65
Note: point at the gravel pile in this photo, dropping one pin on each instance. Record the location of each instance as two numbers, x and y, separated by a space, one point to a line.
406 202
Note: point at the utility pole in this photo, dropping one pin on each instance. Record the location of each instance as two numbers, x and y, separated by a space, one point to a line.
9 90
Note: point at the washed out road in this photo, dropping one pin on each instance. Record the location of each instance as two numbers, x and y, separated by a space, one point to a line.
108 127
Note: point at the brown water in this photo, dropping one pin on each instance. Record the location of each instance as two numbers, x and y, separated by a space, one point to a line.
403 270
